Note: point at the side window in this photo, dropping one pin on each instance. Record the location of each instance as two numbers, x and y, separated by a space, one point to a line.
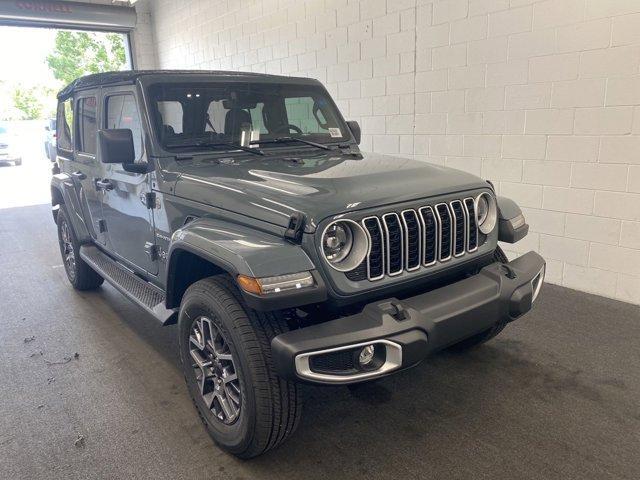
87 125
171 112
122 112
65 124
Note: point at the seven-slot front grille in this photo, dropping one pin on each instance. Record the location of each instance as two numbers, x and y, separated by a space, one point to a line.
410 239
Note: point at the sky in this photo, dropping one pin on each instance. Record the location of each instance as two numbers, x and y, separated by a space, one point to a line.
23 52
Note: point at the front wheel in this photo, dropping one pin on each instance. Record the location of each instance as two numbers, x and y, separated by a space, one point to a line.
225 351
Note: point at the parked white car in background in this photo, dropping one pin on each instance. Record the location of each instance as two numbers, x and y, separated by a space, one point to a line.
50 139
7 148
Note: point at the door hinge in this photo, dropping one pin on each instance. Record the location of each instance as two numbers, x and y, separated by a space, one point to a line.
102 226
150 200
151 250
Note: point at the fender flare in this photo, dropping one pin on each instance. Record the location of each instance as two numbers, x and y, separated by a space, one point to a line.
63 192
237 250
512 226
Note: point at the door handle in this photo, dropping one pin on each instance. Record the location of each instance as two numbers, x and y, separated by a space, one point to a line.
79 175
104 184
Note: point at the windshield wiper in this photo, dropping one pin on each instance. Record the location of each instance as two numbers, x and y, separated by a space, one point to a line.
292 139
255 151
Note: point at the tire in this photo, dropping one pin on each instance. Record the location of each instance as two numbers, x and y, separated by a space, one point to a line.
18 162
483 337
269 407
79 273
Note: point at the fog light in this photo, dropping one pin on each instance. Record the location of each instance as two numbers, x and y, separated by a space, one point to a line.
366 355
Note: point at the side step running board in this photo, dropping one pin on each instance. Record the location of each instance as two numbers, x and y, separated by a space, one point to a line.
147 296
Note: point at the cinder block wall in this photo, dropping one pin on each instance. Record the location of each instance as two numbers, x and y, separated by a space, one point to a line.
540 97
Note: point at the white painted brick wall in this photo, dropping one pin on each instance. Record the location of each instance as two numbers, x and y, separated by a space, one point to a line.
540 96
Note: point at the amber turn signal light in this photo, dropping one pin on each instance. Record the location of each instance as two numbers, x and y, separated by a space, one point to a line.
249 284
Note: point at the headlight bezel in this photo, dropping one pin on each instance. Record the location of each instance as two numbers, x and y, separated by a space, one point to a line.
488 224
359 246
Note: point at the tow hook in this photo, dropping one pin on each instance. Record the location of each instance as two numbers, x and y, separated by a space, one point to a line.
395 309
508 271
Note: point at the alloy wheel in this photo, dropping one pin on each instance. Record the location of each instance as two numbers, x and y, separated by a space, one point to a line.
68 253
215 370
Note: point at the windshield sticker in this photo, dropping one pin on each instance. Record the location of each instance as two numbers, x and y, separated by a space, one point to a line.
335 132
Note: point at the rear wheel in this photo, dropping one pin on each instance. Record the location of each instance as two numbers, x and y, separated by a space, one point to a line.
225 351
483 337
18 162
79 273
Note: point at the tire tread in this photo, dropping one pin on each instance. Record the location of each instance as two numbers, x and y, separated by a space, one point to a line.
279 401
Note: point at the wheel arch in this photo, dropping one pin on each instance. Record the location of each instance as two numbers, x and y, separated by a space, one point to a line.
63 193
207 247
187 265
57 199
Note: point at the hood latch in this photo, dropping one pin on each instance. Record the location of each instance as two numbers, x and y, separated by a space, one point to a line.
295 228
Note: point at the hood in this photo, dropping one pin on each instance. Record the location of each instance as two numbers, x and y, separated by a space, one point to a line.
271 188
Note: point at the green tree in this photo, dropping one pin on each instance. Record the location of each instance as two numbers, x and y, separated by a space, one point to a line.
27 100
80 53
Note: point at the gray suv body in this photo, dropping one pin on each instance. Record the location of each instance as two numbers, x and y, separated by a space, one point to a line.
241 207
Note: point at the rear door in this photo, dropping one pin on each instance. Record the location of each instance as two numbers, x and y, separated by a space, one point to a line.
77 157
129 220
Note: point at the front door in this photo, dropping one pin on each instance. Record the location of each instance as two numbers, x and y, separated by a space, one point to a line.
129 221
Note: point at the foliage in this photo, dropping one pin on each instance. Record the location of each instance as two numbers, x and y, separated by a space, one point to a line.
27 101
80 53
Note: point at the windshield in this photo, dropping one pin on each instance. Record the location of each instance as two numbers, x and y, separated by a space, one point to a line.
3 130
194 115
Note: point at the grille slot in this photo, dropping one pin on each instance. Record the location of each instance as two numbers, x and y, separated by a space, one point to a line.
444 240
412 239
459 228
375 261
472 239
395 247
430 240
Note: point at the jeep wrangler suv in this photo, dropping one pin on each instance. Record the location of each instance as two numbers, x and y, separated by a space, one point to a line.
240 207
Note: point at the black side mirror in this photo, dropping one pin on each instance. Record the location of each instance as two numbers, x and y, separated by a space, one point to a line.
355 130
116 146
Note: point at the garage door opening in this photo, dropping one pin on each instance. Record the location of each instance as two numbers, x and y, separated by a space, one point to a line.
38 63
45 46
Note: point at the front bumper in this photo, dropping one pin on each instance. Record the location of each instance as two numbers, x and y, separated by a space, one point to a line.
410 329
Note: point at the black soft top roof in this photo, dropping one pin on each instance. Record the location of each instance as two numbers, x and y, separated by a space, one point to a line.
130 76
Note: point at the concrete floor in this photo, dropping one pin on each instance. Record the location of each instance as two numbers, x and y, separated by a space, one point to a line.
557 395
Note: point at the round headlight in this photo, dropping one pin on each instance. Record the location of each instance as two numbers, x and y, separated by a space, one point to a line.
486 212
344 245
